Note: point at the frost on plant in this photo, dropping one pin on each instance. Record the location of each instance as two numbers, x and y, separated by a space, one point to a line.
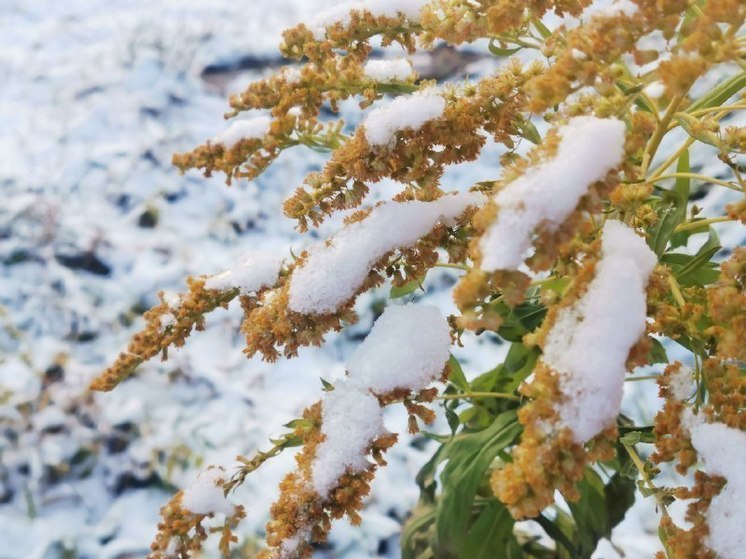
582 253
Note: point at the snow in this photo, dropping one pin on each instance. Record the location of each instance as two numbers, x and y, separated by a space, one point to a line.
334 270
291 74
723 450
166 320
655 89
250 128
379 8
255 271
407 348
206 495
351 420
578 54
680 383
172 299
409 111
620 7
546 194
589 342
396 69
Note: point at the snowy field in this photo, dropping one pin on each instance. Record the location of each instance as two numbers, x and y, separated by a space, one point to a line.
95 96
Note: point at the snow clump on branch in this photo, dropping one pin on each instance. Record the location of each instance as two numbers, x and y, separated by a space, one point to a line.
334 270
411 111
379 8
589 341
547 193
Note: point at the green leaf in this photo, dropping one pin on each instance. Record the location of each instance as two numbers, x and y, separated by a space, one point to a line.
529 131
491 535
542 29
674 209
469 457
501 51
657 352
720 94
396 87
688 124
640 100
520 320
406 289
631 438
590 514
620 496
704 254
519 364
556 533
415 526
456 374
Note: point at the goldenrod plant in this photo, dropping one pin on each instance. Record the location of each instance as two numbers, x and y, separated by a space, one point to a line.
585 253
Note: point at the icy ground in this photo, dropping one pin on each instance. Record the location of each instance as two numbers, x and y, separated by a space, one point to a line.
95 96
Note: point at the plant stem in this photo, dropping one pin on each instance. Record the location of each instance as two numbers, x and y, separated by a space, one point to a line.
703 178
671 160
689 225
644 377
454 266
660 131
640 465
734 107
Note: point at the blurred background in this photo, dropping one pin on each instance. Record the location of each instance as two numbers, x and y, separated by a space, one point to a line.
95 96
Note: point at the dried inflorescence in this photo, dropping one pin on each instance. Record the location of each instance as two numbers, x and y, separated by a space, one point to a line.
549 458
575 393
560 231
727 301
300 515
182 531
168 323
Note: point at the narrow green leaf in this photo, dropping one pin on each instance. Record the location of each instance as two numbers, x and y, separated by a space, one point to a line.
396 87
491 534
470 456
542 29
501 51
657 352
620 496
529 131
557 534
456 374
720 94
688 272
674 209
406 289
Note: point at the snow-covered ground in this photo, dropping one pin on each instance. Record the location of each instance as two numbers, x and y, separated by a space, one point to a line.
95 96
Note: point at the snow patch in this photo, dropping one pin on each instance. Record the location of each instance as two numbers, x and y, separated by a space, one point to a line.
206 495
408 111
589 342
680 384
251 128
334 270
352 419
255 271
379 8
396 69
407 348
546 194
723 450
